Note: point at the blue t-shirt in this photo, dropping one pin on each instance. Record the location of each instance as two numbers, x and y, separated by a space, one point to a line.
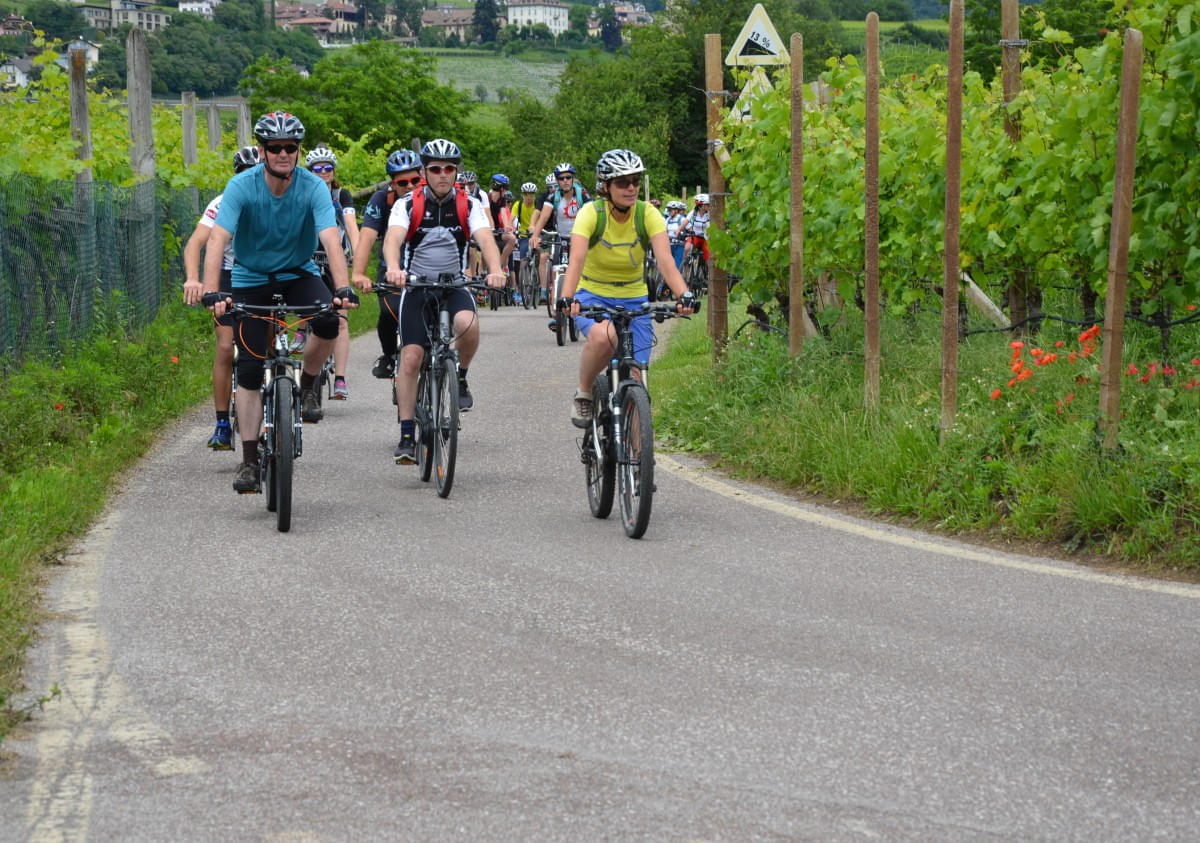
274 233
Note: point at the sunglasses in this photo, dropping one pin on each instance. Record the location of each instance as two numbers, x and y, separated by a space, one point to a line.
567 177
626 182
438 169
414 181
322 168
277 148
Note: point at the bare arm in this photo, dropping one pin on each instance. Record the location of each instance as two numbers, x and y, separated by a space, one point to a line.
362 256
192 288
392 241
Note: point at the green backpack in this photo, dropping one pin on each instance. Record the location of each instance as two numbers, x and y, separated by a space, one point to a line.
639 224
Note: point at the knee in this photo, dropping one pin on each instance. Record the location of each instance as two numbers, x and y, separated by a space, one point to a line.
249 374
326 326
410 359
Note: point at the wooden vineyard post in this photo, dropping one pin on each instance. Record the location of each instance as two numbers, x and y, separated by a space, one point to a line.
141 133
1010 68
243 122
1118 240
871 258
796 312
718 291
190 157
81 124
950 270
214 127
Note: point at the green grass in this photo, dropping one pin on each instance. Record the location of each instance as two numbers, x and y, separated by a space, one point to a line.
466 69
1014 467
68 430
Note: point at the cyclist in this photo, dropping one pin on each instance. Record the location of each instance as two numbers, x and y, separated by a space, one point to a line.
404 174
222 376
611 272
498 208
695 226
275 215
322 161
522 213
559 212
434 244
675 218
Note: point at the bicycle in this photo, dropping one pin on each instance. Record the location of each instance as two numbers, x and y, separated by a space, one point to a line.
437 412
527 277
617 449
279 440
560 321
695 272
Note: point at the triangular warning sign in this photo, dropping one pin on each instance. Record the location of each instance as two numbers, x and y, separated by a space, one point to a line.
758 42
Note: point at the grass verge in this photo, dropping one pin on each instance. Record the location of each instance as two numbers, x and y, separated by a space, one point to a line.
1022 463
68 431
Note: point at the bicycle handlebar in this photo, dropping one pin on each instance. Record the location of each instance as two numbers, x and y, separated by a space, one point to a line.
444 280
660 312
261 310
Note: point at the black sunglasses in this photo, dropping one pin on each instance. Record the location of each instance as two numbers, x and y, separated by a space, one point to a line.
276 148
414 181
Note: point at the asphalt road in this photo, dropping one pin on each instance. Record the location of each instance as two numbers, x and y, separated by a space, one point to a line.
502 666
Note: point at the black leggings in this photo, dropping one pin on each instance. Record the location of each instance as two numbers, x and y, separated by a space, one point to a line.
252 334
387 326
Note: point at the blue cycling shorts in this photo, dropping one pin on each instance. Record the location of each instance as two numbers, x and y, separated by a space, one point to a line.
643 327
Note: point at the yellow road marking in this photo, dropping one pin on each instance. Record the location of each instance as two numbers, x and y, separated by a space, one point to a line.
706 479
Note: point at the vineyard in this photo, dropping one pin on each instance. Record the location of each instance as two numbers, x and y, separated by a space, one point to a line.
1039 206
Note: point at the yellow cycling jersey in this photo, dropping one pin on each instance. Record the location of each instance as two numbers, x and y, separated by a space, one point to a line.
613 267
524 215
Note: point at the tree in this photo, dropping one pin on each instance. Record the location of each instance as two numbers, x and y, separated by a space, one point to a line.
481 92
408 16
342 95
577 18
486 20
61 21
610 29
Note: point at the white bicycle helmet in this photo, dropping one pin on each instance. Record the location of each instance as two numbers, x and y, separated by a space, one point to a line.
440 149
320 155
701 198
550 180
564 167
529 187
618 162
245 158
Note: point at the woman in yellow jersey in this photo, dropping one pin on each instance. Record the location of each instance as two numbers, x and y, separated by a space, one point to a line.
611 271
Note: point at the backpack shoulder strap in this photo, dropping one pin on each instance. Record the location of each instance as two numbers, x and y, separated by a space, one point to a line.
416 212
462 204
639 223
601 222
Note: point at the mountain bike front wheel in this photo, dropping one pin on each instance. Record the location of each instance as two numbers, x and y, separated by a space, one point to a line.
599 468
423 428
285 451
635 461
445 430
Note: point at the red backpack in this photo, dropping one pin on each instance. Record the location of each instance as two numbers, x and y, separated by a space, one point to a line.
461 205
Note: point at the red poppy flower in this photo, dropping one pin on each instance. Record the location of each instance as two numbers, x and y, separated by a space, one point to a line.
58 406
996 394
174 359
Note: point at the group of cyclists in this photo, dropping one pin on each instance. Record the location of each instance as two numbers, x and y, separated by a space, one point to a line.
280 228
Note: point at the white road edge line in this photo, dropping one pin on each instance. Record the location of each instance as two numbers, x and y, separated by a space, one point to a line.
706 480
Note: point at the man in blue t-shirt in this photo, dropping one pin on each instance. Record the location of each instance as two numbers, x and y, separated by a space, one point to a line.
276 213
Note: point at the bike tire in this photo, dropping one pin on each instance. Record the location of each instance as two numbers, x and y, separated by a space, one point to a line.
423 431
528 294
494 299
599 467
445 430
285 451
560 327
572 328
635 461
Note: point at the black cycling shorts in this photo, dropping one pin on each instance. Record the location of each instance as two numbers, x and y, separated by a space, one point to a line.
252 334
419 313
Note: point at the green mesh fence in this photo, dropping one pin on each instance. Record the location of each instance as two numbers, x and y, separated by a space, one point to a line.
80 260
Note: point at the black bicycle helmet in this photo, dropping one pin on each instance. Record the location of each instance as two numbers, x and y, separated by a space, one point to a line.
401 161
440 149
279 125
245 158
